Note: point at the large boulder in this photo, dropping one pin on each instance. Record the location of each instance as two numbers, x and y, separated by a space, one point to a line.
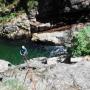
56 37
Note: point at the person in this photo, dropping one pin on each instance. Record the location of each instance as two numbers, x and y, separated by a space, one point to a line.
24 53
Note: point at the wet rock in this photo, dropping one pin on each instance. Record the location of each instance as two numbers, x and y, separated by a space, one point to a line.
58 50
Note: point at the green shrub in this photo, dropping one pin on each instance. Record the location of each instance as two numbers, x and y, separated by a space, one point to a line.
8 17
32 4
81 43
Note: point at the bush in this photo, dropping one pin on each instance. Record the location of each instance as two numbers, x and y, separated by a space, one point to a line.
7 17
32 4
81 43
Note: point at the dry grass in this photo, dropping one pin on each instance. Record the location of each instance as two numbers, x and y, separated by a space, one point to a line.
12 84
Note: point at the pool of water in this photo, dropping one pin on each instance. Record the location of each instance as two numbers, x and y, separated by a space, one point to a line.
10 50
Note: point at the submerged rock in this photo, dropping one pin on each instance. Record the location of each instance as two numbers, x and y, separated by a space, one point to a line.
58 50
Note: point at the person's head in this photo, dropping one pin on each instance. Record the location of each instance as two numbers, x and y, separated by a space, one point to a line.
23 46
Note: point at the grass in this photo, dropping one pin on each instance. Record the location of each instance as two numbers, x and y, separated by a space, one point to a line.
12 84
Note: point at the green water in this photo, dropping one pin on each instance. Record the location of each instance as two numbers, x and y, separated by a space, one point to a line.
10 51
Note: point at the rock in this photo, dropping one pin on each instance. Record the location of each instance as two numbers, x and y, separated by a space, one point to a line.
52 61
18 35
58 50
53 76
39 27
9 28
35 62
17 28
61 10
87 58
33 13
59 35
1 28
58 38
65 77
79 59
4 65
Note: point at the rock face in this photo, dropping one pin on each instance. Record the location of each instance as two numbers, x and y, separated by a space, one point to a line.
51 76
17 28
55 37
69 77
53 9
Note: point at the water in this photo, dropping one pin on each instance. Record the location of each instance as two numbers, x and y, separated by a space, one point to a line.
10 51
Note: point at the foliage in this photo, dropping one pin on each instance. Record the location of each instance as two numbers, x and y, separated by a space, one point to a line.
81 43
32 4
7 18
12 84
11 4
8 10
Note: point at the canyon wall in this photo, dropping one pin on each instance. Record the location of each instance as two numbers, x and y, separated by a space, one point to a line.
56 9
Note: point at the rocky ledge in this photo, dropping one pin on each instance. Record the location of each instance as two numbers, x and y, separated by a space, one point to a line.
57 35
17 28
52 75
20 27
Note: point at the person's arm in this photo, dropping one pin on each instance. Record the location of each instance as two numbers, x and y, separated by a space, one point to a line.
20 52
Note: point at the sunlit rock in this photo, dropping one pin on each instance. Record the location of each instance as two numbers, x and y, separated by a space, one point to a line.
4 65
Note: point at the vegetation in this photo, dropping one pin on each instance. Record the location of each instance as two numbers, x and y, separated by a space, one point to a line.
12 84
81 43
10 8
9 4
7 17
